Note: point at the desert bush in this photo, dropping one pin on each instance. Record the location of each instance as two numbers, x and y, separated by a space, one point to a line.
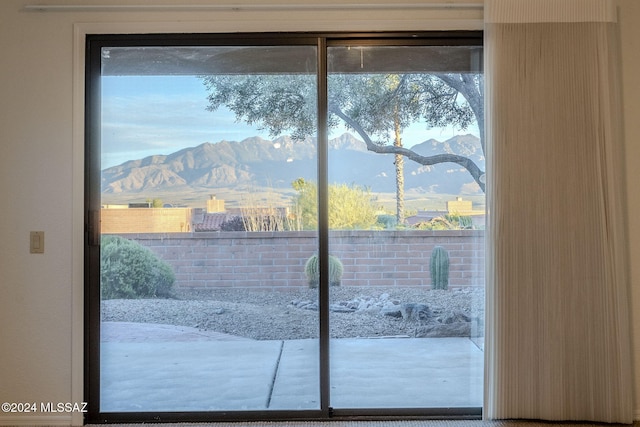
461 222
388 222
129 270
233 224
447 222
268 218
351 207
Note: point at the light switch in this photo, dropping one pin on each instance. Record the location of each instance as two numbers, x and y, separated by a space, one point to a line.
37 242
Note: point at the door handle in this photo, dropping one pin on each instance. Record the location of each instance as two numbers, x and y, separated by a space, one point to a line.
93 228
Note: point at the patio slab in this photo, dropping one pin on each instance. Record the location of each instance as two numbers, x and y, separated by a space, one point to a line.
382 373
187 376
406 373
159 373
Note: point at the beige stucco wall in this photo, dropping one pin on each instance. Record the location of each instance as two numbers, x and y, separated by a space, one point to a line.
41 168
145 220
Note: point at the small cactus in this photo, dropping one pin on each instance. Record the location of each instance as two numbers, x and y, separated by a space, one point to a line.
439 268
312 271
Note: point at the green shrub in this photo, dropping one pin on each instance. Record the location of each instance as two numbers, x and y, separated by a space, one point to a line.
388 222
461 222
439 268
312 271
351 207
129 270
234 224
447 222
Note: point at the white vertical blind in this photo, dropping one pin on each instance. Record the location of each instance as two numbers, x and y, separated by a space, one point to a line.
531 11
558 331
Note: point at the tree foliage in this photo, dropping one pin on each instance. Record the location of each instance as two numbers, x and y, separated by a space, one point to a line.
155 203
350 206
273 102
368 104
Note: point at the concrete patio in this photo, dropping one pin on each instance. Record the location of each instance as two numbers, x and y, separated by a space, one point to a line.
151 368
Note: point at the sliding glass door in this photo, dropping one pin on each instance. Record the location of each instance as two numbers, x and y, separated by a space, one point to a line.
201 247
283 226
406 217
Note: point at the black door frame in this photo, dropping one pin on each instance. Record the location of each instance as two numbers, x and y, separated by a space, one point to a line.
94 44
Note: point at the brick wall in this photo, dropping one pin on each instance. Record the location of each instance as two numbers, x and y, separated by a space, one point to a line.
276 260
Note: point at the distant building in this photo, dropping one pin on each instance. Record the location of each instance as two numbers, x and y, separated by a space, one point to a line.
460 207
145 220
215 205
424 216
211 221
454 207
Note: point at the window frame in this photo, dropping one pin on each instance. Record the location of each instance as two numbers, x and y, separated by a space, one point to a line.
93 45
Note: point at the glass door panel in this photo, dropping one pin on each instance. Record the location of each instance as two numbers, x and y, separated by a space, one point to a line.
203 247
406 218
216 206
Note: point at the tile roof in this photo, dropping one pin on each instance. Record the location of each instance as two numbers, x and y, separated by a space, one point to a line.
211 221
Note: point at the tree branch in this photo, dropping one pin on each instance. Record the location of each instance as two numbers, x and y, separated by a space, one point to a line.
465 162
473 93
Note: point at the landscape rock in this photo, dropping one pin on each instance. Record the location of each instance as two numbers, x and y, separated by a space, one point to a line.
454 317
293 314
305 305
337 308
440 330
393 311
413 312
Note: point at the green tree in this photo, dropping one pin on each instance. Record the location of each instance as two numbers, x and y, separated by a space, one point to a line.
372 105
350 207
155 203
384 109
306 203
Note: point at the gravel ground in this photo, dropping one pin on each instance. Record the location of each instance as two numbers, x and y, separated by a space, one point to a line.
272 315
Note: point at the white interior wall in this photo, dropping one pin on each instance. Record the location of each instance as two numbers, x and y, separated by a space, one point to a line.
41 165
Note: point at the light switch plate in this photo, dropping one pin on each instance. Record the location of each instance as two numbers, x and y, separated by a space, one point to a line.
36 242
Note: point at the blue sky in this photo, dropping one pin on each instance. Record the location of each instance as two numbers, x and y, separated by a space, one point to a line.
143 116
147 115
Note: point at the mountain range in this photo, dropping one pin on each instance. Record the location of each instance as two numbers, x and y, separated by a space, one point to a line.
256 162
